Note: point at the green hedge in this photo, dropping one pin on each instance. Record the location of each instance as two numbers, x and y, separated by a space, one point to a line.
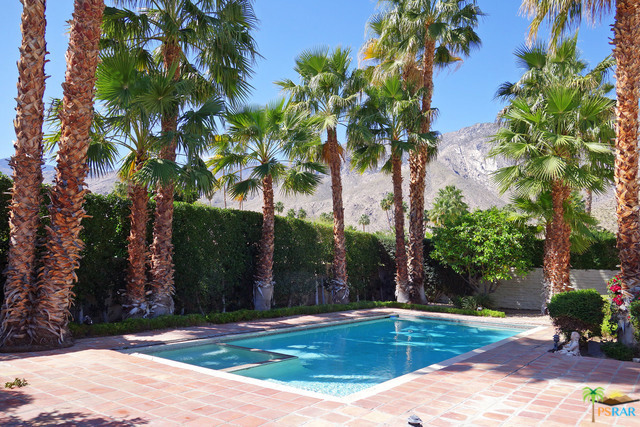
214 255
139 325
215 251
601 255
580 310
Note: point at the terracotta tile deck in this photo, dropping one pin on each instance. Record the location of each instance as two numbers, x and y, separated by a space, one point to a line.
517 383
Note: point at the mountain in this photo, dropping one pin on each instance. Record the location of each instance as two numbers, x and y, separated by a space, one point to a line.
48 172
462 161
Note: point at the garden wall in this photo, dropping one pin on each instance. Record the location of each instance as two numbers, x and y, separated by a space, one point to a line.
526 292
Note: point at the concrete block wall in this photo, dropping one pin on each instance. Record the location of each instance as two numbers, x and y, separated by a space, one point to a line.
526 292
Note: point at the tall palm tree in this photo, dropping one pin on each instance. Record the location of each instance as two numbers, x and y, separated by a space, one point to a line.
417 36
63 245
563 66
547 138
19 288
564 14
327 89
378 132
119 83
272 141
217 34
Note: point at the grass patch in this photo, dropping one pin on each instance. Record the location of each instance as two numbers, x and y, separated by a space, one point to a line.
165 322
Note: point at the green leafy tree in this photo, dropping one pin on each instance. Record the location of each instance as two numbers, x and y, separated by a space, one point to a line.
302 214
274 140
484 246
364 220
279 207
291 213
327 90
447 206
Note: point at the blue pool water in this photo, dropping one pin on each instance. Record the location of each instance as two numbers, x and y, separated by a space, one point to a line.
344 359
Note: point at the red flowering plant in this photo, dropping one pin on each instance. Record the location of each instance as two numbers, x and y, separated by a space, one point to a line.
621 301
614 289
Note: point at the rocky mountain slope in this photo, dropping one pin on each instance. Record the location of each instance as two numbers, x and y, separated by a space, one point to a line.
462 161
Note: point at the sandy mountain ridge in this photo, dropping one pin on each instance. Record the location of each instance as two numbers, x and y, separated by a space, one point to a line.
462 161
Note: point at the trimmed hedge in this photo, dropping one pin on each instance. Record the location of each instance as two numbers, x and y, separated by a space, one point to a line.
579 310
601 255
214 256
139 325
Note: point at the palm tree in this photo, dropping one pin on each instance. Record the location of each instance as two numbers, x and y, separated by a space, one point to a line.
448 205
386 204
364 220
417 36
134 101
539 211
63 245
19 289
378 132
547 138
327 90
273 140
593 394
217 35
279 207
564 14
591 117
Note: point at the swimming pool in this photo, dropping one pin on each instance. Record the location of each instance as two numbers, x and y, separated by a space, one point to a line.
343 359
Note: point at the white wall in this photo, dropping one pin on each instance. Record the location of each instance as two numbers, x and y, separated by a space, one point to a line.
526 292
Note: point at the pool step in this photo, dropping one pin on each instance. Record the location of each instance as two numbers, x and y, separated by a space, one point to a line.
278 357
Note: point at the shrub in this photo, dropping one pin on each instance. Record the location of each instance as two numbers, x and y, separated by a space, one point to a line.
472 302
634 317
175 321
579 310
618 351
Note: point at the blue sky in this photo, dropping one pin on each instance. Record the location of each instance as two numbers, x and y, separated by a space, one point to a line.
464 95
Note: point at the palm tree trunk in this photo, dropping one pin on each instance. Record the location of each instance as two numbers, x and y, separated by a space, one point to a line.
137 250
418 168
558 252
263 285
402 275
63 245
161 248
339 285
547 290
19 289
588 200
626 34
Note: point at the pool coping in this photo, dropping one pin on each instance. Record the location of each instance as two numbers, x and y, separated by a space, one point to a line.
363 394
